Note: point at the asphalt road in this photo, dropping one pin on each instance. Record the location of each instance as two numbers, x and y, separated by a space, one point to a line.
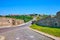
22 33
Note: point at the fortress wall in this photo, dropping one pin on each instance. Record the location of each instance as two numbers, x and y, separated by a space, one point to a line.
9 21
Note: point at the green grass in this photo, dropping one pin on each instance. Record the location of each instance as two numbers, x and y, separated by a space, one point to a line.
49 30
23 17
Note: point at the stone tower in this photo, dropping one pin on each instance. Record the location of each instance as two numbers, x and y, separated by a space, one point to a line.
58 15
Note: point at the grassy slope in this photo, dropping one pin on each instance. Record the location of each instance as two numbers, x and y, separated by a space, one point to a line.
23 17
51 31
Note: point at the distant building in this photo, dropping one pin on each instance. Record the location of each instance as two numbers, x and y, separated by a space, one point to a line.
50 21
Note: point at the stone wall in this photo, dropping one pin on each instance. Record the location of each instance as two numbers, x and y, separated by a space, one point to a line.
10 21
50 21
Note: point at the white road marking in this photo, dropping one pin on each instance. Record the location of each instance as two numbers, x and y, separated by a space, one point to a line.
17 38
31 36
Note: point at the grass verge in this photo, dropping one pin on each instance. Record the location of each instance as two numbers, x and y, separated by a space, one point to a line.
49 30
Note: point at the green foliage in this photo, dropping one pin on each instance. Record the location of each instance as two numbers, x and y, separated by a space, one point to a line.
49 30
23 17
38 18
44 16
0 15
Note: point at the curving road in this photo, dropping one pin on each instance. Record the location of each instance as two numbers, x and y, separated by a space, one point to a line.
22 33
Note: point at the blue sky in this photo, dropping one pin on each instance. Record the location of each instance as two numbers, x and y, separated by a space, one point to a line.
49 7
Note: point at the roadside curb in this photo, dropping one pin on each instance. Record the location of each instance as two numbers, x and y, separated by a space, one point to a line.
47 35
12 26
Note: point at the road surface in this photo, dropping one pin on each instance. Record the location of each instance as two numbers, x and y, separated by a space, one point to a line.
22 33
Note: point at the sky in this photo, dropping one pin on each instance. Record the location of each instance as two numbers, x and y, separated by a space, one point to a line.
48 7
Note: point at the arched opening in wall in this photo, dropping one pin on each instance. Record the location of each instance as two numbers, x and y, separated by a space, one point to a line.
13 22
8 21
56 24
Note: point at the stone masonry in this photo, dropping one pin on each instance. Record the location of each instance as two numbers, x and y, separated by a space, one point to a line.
10 21
50 21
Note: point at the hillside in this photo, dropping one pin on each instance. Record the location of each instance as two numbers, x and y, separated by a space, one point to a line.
26 18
